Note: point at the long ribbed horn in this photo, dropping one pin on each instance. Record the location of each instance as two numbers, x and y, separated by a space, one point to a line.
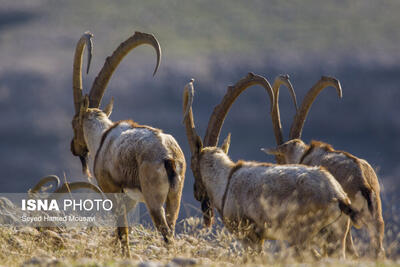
301 115
220 111
45 180
85 40
275 115
188 120
195 145
100 83
69 187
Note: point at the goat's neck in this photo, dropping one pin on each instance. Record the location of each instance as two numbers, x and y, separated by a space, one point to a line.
215 169
93 129
314 157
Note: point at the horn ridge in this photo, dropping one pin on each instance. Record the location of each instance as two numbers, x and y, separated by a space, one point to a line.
100 83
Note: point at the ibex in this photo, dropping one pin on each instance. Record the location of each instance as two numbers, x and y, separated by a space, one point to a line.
355 175
262 200
139 160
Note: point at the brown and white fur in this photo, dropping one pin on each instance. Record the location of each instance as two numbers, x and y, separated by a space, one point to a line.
138 160
267 201
355 175
142 161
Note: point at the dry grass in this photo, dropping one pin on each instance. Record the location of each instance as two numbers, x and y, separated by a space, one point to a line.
96 247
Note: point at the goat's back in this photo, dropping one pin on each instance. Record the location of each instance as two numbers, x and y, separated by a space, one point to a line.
352 173
277 182
126 146
283 196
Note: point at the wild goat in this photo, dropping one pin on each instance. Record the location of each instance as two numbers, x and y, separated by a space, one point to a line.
214 127
139 160
261 200
355 175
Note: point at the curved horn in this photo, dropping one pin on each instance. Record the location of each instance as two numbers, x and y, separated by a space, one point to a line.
86 39
45 180
195 145
193 137
100 83
220 111
188 95
301 115
275 115
68 187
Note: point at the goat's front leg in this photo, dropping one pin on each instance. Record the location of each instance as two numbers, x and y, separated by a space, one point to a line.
337 236
255 239
350 248
107 186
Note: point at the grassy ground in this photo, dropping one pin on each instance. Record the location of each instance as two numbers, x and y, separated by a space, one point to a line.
193 246
37 41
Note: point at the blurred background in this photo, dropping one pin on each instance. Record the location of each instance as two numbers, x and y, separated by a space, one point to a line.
217 43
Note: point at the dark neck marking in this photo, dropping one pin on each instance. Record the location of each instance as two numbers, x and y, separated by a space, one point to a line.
306 153
235 168
131 123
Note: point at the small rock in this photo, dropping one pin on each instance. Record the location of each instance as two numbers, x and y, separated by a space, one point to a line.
205 252
150 264
127 262
136 257
192 240
153 249
184 261
41 261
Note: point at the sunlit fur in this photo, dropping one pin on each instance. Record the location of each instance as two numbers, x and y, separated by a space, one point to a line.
356 176
268 201
139 160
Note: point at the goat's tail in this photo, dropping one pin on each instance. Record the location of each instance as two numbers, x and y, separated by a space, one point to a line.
354 215
173 176
367 194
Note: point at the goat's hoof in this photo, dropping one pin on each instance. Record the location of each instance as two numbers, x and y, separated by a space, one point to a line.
169 240
380 255
126 252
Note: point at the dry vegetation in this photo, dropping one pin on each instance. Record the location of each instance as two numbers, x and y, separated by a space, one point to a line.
194 245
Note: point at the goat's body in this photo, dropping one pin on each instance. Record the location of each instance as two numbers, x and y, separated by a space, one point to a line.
355 175
139 160
127 146
358 180
290 196
291 203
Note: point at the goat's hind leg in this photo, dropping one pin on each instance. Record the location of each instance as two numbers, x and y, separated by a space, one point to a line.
155 188
172 208
376 233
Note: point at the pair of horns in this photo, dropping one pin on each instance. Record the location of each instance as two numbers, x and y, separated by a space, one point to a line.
100 83
65 187
221 110
213 130
301 113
